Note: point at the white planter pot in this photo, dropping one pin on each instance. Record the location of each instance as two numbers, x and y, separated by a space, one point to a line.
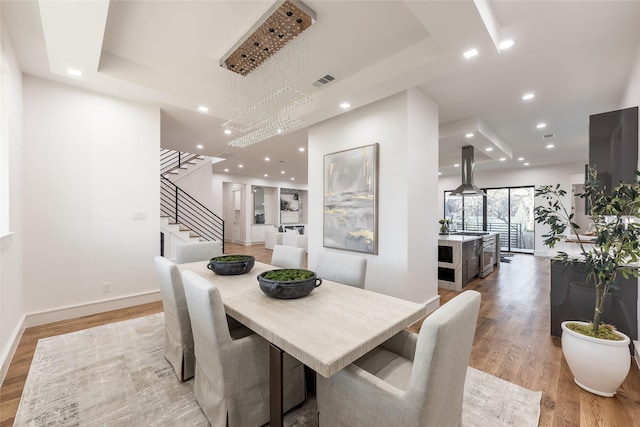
598 366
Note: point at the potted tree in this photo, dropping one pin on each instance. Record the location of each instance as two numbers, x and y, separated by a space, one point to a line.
597 354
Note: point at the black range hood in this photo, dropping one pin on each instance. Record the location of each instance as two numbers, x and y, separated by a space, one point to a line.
467 188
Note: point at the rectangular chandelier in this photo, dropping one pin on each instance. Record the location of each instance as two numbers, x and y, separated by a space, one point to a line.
268 85
283 22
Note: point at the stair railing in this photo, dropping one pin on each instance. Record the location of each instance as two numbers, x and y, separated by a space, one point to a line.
184 209
171 160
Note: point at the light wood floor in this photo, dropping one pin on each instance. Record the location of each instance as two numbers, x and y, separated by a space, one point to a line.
512 342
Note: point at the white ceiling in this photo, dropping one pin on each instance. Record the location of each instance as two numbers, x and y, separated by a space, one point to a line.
575 55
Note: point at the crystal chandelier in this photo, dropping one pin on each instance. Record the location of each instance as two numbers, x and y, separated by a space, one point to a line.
269 70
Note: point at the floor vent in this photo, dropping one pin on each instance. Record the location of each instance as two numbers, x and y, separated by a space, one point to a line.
324 80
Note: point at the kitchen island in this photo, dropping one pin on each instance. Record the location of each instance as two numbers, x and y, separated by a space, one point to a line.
462 256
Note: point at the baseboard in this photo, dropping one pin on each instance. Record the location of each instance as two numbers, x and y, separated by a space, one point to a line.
541 253
56 315
7 357
637 353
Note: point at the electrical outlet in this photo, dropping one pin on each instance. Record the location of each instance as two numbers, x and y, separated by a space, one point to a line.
106 287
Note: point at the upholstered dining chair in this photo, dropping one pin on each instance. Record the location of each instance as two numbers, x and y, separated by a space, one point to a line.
346 269
198 251
287 257
178 341
231 382
411 379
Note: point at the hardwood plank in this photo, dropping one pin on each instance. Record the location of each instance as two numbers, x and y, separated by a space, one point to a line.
512 341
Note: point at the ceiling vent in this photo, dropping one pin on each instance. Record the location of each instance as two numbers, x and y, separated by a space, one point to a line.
225 156
322 81
548 136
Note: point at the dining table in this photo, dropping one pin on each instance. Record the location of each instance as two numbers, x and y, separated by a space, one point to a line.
326 330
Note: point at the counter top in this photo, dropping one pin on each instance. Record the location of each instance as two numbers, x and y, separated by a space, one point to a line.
573 250
461 238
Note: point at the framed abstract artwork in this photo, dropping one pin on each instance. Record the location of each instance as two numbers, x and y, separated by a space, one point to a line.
350 203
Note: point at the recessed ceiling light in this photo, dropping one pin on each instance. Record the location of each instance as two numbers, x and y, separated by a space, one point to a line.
456 165
266 159
301 149
488 149
470 53
439 173
282 172
345 105
200 146
469 135
505 44
520 159
526 164
502 159
226 170
227 131
74 72
240 166
528 96
293 179
550 146
541 125
203 109
279 131
266 175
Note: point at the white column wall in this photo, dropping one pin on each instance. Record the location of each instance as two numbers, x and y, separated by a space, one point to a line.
11 282
91 162
553 174
404 125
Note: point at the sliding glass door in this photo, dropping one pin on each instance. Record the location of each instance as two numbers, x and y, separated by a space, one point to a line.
510 212
507 210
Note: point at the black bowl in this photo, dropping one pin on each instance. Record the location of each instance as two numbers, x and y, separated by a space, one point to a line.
228 265
288 289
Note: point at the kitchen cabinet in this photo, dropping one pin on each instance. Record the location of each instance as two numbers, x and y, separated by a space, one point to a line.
471 260
572 298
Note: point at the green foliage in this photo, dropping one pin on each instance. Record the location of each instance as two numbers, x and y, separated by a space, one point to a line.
288 275
616 246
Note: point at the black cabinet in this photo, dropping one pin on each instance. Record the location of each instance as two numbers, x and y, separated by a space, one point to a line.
572 298
613 145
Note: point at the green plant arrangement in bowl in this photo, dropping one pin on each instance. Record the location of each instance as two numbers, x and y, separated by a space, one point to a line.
614 249
288 283
228 265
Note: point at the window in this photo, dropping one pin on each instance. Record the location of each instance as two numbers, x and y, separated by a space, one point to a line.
507 210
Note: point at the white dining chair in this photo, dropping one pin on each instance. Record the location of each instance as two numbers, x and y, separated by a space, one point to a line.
231 382
178 340
198 251
409 380
346 269
287 257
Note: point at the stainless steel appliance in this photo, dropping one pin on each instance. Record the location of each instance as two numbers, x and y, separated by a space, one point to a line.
487 255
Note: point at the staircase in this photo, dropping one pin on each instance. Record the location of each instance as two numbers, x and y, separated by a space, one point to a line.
182 218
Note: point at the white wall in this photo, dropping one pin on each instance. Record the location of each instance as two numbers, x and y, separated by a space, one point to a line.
554 174
405 125
91 161
196 184
11 282
631 97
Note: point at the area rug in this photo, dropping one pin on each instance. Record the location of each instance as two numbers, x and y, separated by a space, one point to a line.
116 375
